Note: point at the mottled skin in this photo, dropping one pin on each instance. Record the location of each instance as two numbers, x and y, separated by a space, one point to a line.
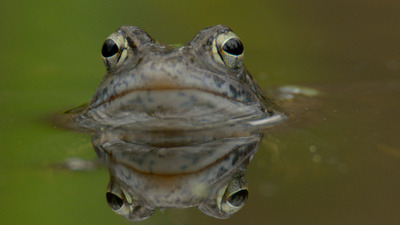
200 77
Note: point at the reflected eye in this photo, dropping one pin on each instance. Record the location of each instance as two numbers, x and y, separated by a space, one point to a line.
228 199
228 50
235 195
237 199
124 204
114 201
114 50
110 48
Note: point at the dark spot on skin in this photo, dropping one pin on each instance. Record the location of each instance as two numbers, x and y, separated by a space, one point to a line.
180 58
191 60
183 167
152 65
140 160
248 99
139 100
195 160
236 157
204 47
218 81
250 147
242 152
151 164
131 43
193 98
221 171
149 99
209 41
108 65
234 91
105 91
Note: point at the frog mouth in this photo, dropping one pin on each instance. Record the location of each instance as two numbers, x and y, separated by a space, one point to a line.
216 85
174 101
174 107
181 91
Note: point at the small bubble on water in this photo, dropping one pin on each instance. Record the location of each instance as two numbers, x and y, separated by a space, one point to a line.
313 148
316 158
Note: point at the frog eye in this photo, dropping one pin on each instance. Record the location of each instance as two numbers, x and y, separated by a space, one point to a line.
109 49
233 46
230 50
114 50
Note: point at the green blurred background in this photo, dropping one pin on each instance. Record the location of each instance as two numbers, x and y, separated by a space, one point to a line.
339 166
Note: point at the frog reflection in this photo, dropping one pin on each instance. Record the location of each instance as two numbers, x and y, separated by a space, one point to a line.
207 171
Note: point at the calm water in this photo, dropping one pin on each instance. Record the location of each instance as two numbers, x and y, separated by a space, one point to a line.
337 163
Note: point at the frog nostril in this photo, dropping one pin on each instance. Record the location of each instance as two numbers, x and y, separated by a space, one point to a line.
110 48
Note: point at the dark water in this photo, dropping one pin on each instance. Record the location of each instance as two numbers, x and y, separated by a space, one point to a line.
337 163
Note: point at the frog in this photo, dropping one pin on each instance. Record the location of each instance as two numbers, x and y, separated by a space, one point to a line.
152 86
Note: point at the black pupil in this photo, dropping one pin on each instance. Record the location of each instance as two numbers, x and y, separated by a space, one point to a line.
233 46
114 201
110 48
238 198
